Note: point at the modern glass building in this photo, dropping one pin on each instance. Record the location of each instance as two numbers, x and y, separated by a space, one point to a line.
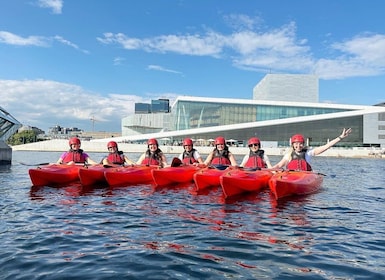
269 119
276 121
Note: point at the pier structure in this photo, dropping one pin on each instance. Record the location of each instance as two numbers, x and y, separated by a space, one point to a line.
8 126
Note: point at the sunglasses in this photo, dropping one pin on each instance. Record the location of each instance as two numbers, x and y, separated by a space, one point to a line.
253 145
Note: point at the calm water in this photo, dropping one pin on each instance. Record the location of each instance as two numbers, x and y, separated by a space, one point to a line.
168 233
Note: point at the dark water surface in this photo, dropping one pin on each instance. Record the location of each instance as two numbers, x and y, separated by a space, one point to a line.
168 233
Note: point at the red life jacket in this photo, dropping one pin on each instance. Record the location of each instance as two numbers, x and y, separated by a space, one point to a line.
153 158
298 162
188 157
256 160
221 158
150 161
76 156
116 158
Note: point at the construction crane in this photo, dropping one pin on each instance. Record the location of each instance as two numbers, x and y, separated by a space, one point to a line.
93 122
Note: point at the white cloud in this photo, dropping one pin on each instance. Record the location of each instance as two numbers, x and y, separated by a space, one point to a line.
38 41
118 60
187 44
274 50
43 104
12 39
55 5
160 68
360 56
68 43
127 43
242 22
277 50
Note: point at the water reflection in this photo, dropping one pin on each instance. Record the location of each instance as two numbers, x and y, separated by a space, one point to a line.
177 233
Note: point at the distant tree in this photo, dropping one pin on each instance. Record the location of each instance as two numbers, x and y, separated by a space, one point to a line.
24 137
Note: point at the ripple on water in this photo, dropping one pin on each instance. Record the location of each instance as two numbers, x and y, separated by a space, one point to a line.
169 233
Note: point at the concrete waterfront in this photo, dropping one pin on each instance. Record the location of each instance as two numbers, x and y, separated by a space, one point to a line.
58 145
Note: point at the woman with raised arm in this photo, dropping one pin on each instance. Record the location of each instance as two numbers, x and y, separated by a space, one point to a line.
299 157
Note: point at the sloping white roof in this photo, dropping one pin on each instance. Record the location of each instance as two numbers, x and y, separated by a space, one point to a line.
354 110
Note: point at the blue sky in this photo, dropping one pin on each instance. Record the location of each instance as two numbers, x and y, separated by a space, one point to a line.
64 62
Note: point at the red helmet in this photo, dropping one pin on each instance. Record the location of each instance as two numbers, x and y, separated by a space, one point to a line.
254 140
74 140
297 138
152 141
187 142
112 144
220 140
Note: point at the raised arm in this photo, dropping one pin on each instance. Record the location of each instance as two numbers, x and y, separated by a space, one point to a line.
319 150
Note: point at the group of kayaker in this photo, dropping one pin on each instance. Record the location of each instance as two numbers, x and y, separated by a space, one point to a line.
298 157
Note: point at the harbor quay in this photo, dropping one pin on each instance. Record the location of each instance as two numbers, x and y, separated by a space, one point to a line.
59 145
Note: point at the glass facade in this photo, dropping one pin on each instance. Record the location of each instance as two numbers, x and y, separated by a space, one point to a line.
196 114
317 132
265 113
160 106
142 108
189 114
156 106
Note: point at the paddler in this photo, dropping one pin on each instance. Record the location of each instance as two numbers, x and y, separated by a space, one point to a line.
190 155
153 155
75 155
116 157
221 154
256 158
299 157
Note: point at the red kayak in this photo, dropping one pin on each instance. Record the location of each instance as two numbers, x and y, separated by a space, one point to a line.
93 175
288 183
239 181
130 175
208 177
174 175
54 175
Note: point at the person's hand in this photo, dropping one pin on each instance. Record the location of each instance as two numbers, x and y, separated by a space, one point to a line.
345 133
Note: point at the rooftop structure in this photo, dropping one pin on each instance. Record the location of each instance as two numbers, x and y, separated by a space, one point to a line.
284 87
275 118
